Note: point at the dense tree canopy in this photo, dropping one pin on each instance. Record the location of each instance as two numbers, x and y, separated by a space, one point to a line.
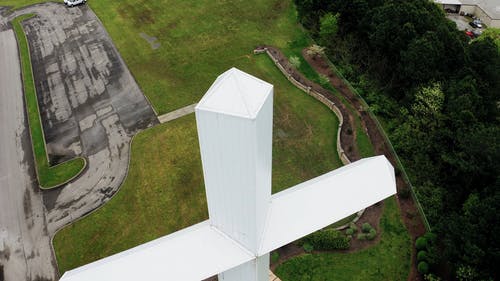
439 93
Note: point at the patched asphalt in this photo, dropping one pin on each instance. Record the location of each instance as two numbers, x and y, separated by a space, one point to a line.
90 106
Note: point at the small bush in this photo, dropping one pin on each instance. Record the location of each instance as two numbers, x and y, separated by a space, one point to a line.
329 239
421 243
423 267
371 234
431 277
324 80
362 236
275 256
366 227
422 256
349 231
295 61
431 237
315 51
308 247
353 226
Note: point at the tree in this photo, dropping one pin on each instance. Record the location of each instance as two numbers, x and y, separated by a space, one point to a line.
493 34
328 27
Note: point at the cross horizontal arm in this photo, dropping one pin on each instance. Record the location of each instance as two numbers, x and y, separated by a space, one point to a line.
194 253
317 203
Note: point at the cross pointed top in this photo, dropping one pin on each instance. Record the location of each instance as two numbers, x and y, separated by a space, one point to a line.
236 93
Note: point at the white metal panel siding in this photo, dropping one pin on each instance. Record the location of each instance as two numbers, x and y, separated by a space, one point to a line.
264 136
230 147
254 270
326 199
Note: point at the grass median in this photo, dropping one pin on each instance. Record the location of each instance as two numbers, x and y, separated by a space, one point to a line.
48 177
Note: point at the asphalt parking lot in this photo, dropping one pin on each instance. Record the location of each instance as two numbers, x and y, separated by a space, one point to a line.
461 21
90 106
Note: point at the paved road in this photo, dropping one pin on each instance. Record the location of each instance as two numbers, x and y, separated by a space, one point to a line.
25 252
90 103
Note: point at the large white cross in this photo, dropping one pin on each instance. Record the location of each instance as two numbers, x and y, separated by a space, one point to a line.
246 222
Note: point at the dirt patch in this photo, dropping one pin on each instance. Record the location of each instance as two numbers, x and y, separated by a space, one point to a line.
139 13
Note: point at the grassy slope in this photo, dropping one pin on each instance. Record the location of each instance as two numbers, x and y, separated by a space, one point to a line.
48 176
199 40
164 190
387 260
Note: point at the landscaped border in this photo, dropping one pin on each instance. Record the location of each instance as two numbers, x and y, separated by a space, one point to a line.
48 177
324 100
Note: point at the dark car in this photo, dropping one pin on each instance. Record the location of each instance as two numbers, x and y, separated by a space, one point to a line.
476 24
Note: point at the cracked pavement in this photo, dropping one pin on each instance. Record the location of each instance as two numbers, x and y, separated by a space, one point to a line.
90 106
25 250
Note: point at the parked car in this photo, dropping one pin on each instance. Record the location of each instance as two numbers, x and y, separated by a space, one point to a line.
71 3
477 33
469 34
476 24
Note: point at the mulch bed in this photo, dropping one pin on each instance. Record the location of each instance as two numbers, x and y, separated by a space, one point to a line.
409 211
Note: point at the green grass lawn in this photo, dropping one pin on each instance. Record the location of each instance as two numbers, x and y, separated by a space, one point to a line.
388 260
47 176
164 190
199 40
16 4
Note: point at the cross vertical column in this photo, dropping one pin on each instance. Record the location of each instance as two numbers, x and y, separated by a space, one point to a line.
234 121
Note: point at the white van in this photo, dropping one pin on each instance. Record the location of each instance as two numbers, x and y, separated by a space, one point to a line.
71 3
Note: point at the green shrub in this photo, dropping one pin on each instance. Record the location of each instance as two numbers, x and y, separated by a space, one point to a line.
371 234
295 61
431 237
366 227
324 80
423 267
362 236
328 239
431 277
422 256
275 256
308 247
353 226
349 231
421 243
